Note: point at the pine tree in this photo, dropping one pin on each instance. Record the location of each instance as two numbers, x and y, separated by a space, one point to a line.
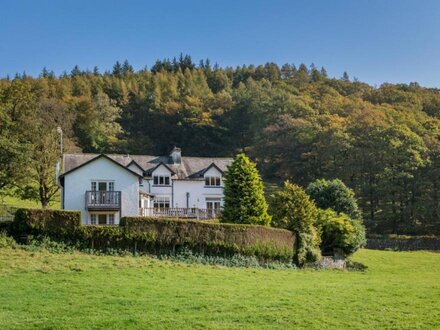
127 68
244 194
117 69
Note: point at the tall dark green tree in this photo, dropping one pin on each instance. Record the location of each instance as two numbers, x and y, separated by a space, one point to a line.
244 194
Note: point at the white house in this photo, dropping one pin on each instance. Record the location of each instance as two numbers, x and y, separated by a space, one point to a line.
108 187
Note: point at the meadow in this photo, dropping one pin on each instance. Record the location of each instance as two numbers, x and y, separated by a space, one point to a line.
399 290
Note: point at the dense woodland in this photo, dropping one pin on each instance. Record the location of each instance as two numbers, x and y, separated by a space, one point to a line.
294 121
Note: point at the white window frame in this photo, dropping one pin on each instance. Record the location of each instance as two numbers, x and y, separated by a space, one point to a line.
213 203
161 202
161 180
110 218
110 185
213 181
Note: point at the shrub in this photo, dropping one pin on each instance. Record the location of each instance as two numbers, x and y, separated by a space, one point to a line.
244 194
58 224
334 195
211 238
6 241
292 209
158 235
339 233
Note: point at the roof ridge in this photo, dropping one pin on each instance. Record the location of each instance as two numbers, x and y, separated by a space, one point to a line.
131 155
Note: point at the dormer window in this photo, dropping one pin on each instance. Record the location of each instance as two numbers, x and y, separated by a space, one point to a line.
212 181
161 180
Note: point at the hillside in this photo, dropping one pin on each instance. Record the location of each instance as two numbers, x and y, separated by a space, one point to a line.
295 122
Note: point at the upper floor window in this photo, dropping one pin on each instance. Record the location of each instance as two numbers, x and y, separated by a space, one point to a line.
212 181
161 180
102 185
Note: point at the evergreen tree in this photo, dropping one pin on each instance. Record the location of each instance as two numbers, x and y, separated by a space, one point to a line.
127 69
75 71
244 194
117 69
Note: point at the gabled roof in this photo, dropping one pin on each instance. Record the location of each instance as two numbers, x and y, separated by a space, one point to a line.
96 158
151 170
133 162
190 168
202 172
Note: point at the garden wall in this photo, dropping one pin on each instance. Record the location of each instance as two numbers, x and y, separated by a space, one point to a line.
159 235
404 243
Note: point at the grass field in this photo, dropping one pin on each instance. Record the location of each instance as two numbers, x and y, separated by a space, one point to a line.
18 202
43 290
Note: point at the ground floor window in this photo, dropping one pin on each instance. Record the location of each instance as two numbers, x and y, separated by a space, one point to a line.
102 218
213 204
161 202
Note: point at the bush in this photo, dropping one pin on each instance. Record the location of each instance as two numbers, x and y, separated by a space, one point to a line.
57 224
244 194
334 195
212 238
158 235
339 233
6 241
292 209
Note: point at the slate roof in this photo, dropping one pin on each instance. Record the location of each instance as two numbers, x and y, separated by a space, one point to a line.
190 168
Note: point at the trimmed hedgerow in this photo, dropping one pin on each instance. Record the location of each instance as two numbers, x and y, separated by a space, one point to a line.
213 238
159 236
58 224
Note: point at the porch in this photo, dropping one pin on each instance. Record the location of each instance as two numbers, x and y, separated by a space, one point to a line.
187 213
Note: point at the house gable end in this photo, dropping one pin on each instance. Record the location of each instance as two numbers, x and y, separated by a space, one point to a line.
101 156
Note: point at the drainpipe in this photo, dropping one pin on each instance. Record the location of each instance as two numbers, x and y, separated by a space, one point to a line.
172 193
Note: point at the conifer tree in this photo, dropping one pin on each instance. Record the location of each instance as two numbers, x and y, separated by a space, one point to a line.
244 198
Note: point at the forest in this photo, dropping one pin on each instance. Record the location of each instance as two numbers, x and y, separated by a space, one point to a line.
295 122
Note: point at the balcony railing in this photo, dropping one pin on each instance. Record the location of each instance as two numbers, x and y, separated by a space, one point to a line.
189 213
103 200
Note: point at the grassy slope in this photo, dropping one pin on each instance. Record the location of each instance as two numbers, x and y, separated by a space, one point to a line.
400 290
18 202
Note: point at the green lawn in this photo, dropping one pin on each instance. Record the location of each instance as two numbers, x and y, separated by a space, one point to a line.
18 202
43 290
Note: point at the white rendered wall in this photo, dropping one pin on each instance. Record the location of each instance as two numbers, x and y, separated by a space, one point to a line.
79 181
198 192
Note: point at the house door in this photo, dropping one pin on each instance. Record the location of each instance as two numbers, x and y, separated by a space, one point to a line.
213 205
102 186
102 219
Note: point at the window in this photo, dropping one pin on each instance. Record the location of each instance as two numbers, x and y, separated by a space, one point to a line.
212 181
103 185
213 204
102 219
161 180
162 202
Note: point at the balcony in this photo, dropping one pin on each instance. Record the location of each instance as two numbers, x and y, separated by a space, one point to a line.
103 200
186 213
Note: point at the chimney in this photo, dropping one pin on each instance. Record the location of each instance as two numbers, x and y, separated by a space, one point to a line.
176 156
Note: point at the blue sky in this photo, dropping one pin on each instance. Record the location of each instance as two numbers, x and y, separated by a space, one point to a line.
374 40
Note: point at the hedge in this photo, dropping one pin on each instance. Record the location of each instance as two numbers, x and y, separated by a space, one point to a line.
213 238
159 235
58 224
